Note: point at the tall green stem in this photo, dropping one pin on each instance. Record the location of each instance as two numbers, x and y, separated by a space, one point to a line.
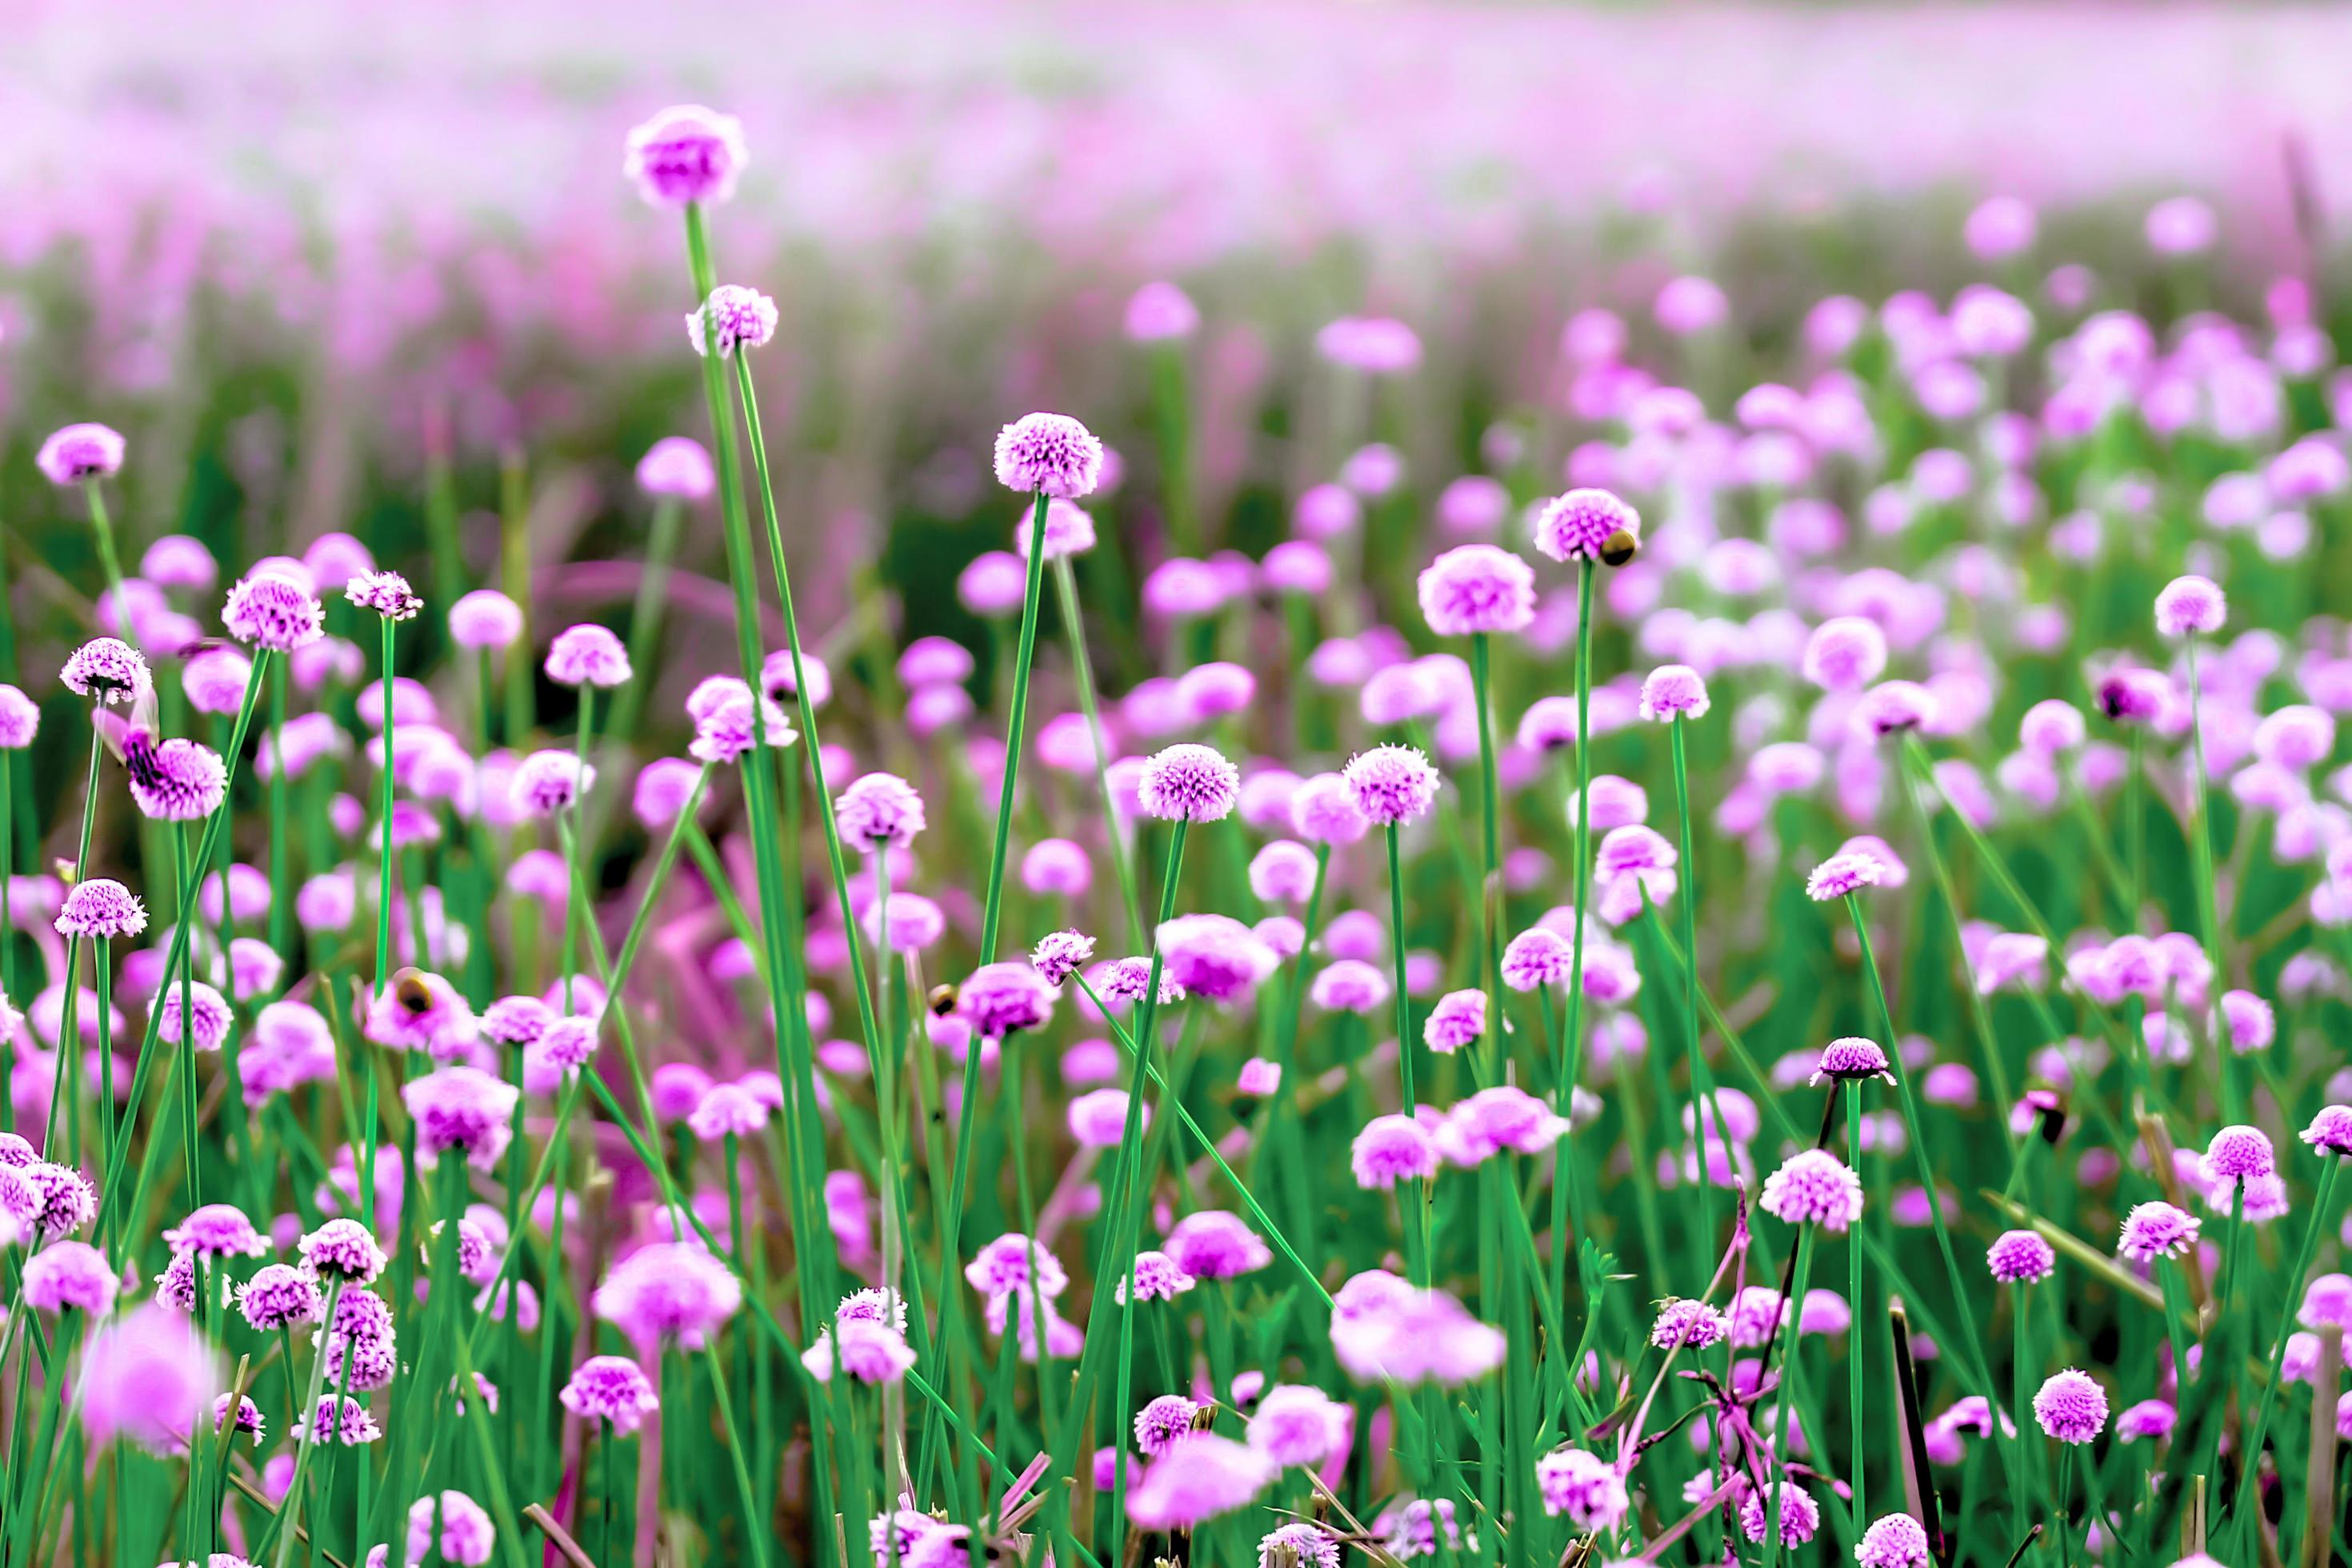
1566 1094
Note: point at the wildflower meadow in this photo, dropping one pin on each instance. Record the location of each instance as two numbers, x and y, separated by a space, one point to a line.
1565 924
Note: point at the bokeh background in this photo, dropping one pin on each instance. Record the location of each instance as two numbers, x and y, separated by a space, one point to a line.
291 248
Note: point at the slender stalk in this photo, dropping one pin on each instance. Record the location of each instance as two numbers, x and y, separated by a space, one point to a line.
2209 908
1855 1408
290 1511
2323 1206
388 873
1413 1197
1565 1094
1709 1120
1787 1400
1122 849
102 526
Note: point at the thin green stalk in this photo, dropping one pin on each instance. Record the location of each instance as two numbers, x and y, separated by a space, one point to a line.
1787 1400
1566 1093
281 1524
2209 908
2290 1299
281 834
1412 1196
1708 1123
388 871
755 1529
1122 852
1854 1407
102 526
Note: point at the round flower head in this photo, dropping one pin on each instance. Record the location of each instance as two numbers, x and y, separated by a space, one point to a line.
1538 956
1688 1325
1583 1485
1893 1541
1198 1476
878 809
2188 606
1190 783
344 1250
1350 985
1323 811
178 780
80 452
20 718
997 999
1672 691
685 154
64 1199
733 317
1850 1057
2237 1154
587 655
485 618
1842 874
677 467
1161 1422
107 671
2157 1229
2020 1257
1060 954
1458 1020
387 593
464 1108
1844 652
1214 1245
100 908
730 1109
670 1290
1476 588
1892 706
547 782
273 609
2071 1407
1157 1278
1214 956
1069 530
278 1296
1580 525
1392 784
216 1230
1391 1149
1051 454
70 1274
2131 695
467 1537
2330 1132
207 1006
1799 1515
1813 1186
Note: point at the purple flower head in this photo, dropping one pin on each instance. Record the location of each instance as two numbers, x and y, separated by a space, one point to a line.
730 1109
1214 956
1579 525
1800 1516
547 782
1198 1476
340 1420
1500 1117
1060 954
1477 588
1376 345
1458 1020
149 1377
685 154
2020 1257
485 618
1004 1267
1842 874
999 998
1069 530
1213 1244
669 1290
2188 606
1850 1057
1190 783
2071 1407
20 718
107 671
176 781
1294 1424
2236 1154
878 809
280 1295
66 1200
80 452
1688 1325
420 1011
1393 1149
733 317
587 655
1813 1186
1159 312
1893 1541
1392 784
216 1230
207 1007
100 908
1583 1485
2149 1419
516 1020
1051 454
1350 985
1159 1423
273 609
1892 706
1538 956
344 1250
2330 1132
387 593
1672 691
1323 810
467 1536
2157 1229
2132 696
676 467
1844 652
1124 980
70 1274
463 1108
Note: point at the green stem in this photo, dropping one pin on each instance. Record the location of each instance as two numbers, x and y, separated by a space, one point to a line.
1582 838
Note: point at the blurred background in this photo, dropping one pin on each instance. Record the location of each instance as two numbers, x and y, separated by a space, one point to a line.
294 250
